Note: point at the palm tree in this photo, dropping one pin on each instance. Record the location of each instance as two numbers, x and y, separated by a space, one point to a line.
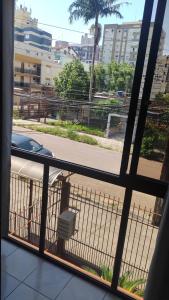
93 9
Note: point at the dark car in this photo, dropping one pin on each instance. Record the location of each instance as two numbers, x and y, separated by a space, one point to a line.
27 143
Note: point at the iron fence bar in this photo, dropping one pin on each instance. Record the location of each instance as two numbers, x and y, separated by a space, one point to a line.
136 84
159 18
44 208
121 238
139 183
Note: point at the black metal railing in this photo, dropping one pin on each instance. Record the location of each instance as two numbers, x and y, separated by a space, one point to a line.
21 84
35 207
26 71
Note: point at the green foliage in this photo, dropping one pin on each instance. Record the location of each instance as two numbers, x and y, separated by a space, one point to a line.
106 273
77 127
73 81
89 9
70 134
15 113
155 137
147 146
87 139
114 77
120 76
93 9
162 97
131 285
100 78
90 270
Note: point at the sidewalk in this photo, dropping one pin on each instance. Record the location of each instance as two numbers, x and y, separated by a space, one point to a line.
112 144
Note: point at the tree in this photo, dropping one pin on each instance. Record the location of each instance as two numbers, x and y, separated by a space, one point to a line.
93 9
73 81
100 78
113 77
120 76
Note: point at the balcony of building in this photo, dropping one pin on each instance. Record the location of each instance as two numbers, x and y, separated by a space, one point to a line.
25 71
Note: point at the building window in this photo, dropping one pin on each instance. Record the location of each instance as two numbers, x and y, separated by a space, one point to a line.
27 36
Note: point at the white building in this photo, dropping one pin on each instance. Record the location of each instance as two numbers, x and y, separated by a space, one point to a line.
26 30
121 42
87 40
33 66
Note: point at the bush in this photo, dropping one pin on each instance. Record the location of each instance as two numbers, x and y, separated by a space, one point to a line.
15 114
77 127
70 134
132 285
87 140
147 146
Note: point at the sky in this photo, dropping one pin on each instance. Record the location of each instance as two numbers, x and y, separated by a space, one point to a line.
55 12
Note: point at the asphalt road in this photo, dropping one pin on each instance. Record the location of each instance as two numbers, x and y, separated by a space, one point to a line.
95 157
80 153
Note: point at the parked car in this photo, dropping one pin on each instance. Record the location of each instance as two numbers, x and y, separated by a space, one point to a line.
26 143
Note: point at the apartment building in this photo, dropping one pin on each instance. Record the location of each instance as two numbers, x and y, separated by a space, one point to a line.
161 77
34 63
33 66
87 40
120 42
26 30
85 52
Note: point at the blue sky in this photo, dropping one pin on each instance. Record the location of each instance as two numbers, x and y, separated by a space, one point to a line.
55 12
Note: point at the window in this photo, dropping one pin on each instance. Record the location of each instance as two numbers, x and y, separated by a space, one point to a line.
26 36
30 145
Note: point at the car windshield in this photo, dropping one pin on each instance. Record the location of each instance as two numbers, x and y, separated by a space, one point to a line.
30 145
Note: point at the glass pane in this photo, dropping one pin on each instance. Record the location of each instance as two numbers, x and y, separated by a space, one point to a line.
95 208
154 157
86 133
142 229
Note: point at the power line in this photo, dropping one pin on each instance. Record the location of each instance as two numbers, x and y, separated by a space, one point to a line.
54 26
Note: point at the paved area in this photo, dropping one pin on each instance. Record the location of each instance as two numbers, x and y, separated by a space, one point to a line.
26 276
98 158
113 144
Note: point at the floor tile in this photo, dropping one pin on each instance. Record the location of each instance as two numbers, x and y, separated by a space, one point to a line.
8 284
24 292
7 248
78 289
48 279
20 264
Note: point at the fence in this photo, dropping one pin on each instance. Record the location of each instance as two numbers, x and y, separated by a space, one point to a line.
98 219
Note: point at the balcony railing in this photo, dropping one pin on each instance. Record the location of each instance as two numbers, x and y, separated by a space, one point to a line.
26 84
21 84
36 206
26 71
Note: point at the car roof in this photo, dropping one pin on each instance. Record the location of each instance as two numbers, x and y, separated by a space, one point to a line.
19 138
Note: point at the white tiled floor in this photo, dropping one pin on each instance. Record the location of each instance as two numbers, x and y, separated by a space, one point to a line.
28 277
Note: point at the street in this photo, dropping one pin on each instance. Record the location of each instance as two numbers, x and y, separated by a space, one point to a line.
95 157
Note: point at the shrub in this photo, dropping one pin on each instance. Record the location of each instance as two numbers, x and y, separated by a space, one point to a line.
77 127
70 134
15 114
87 140
132 285
147 146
